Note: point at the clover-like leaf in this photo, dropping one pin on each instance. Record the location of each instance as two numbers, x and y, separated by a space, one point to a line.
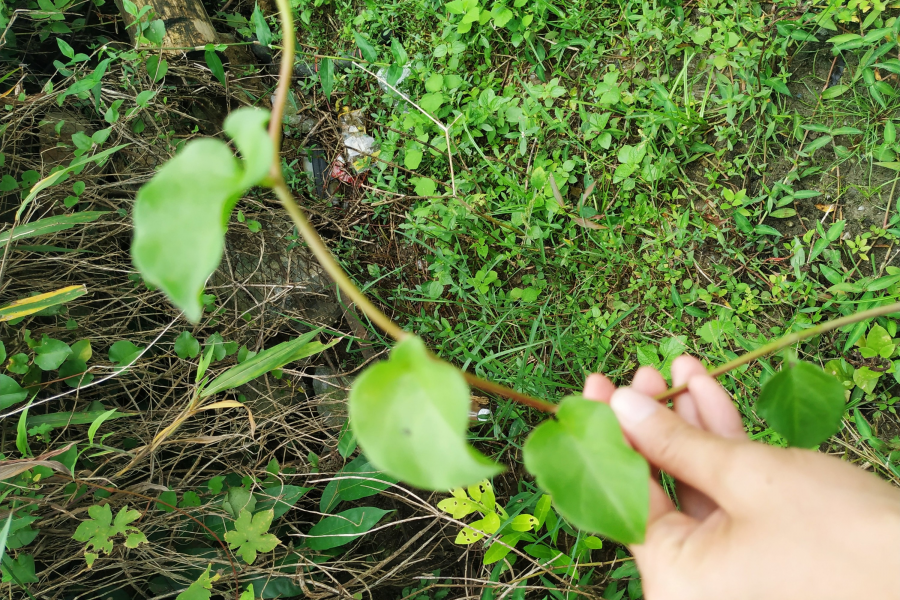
180 216
250 535
598 482
410 414
802 403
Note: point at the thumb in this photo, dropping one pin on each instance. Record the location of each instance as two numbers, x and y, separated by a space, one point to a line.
689 454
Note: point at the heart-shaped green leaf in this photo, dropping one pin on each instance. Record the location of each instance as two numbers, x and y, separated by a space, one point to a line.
802 403
180 216
598 482
410 415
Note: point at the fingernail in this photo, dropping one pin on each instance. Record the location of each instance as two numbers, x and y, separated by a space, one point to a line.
632 407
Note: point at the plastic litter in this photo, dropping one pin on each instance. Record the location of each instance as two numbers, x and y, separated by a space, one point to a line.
381 76
361 149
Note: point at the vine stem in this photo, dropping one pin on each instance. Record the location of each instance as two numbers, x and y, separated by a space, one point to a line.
788 340
314 241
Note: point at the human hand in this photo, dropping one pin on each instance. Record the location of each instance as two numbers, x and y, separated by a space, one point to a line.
756 522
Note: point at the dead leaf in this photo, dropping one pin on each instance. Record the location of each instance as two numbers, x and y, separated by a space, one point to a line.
826 208
11 468
586 223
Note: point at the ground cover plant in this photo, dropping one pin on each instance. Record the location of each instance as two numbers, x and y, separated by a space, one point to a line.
556 190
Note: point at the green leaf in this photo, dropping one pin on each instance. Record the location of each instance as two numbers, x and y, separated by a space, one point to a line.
10 392
783 213
498 551
186 345
62 419
238 499
250 535
215 65
399 52
261 27
817 143
425 186
802 403
202 588
270 358
280 498
247 127
413 158
866 379
326 76
434 83
343 527
346 441
598 482
51 353
358 479
50 225
432 102
368 50
877 343
156 68
99 530
169 497
74 372
123 352
184 210
92 430
21 433
20 570
834 91
410 414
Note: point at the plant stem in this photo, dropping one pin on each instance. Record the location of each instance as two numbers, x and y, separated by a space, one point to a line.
285 71
788 340
331 266
501 390
314 241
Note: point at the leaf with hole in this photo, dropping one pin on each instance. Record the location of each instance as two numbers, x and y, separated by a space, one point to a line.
410 414
344 527
597 481
802 403
180 216
250 535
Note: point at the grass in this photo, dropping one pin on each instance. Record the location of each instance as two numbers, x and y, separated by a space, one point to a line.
742 185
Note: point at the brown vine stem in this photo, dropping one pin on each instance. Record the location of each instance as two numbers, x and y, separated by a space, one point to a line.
789 340
314 241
